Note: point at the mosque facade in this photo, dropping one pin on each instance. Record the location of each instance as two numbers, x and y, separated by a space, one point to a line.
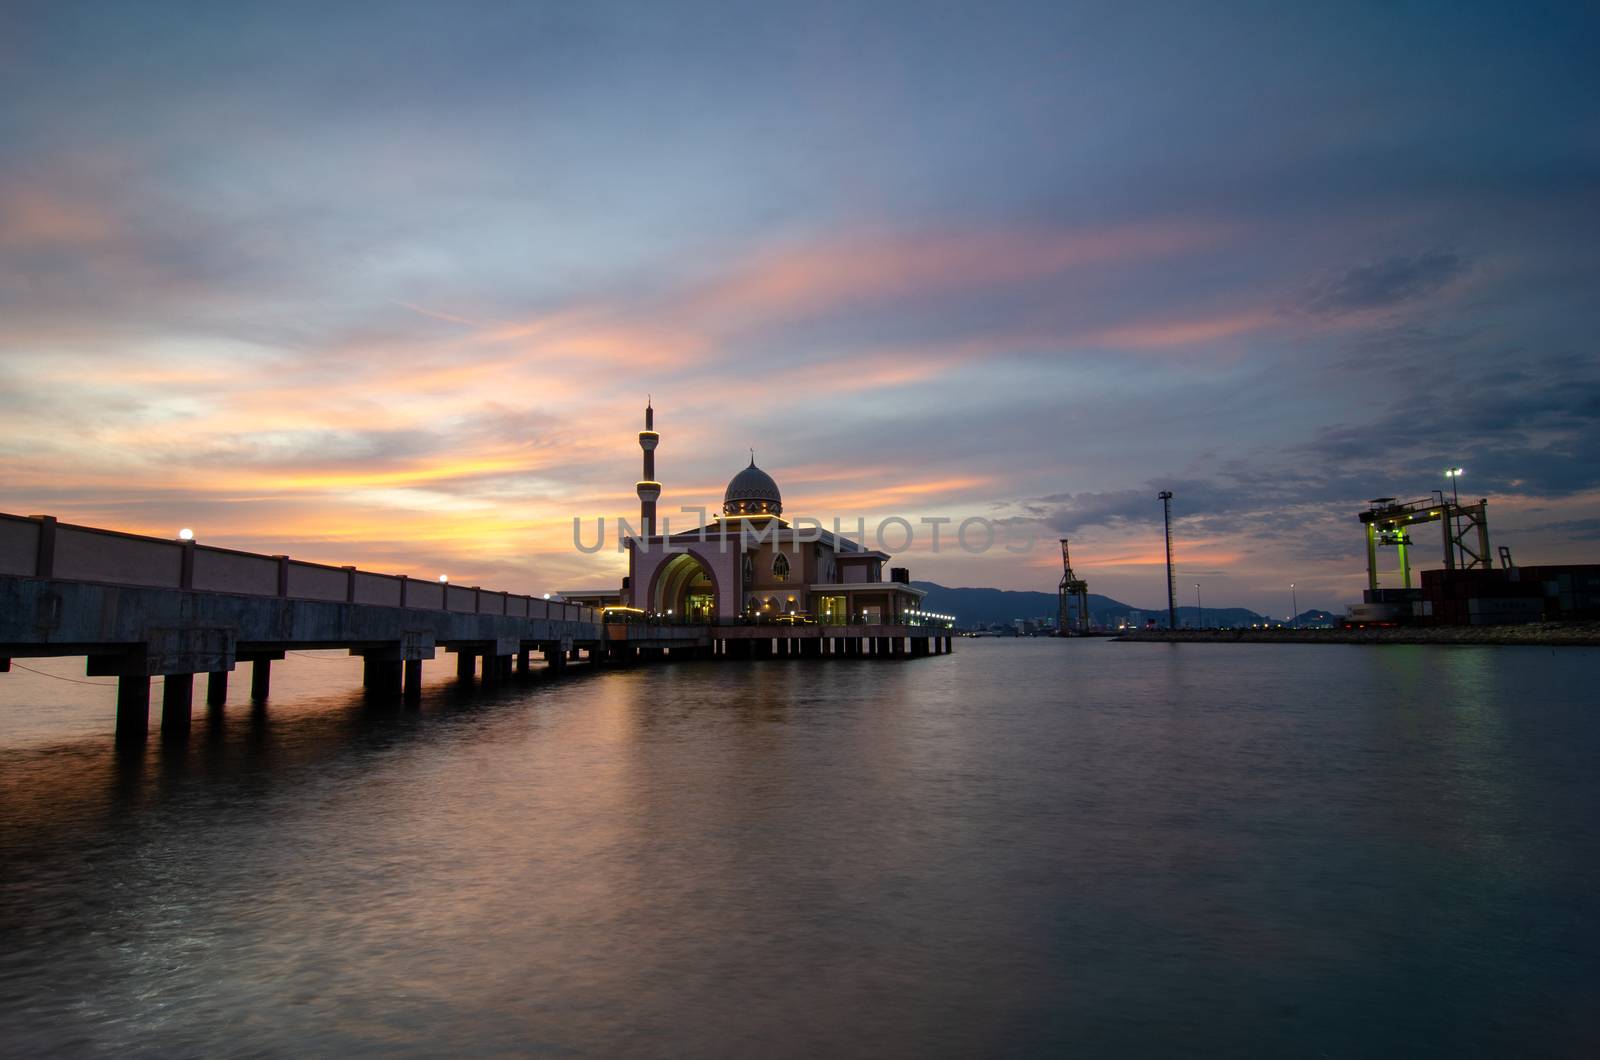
750 564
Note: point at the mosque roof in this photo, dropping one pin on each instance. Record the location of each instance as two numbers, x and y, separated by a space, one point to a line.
752 484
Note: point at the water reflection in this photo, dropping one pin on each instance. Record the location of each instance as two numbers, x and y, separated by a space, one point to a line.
1023 848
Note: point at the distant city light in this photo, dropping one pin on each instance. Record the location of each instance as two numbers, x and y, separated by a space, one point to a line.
186 534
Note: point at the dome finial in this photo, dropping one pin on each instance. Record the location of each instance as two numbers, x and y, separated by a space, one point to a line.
752 456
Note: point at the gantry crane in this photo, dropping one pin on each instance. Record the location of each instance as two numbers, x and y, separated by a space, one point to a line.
1389 521
1072 599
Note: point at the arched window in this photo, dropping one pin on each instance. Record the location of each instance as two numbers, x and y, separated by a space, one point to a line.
780 567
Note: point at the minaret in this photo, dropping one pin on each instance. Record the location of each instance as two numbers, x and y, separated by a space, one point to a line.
648 489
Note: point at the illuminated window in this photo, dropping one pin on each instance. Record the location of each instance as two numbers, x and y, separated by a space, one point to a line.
780 567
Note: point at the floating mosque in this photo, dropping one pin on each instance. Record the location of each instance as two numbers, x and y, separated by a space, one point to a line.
749 564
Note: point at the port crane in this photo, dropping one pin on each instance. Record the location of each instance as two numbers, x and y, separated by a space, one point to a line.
1465 527
1072 599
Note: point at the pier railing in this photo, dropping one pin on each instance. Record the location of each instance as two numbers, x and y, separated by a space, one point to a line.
39 546
779 623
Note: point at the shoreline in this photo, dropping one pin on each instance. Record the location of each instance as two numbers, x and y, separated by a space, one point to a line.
1544 634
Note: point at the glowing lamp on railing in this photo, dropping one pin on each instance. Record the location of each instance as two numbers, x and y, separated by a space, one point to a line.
444 579
186 534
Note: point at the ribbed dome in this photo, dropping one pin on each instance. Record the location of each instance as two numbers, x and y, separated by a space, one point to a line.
752 492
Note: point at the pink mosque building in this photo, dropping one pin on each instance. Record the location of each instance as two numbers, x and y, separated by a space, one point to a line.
750 564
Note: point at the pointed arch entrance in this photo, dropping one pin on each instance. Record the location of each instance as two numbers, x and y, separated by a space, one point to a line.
686 586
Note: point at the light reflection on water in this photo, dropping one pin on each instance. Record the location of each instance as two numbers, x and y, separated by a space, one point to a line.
1026 847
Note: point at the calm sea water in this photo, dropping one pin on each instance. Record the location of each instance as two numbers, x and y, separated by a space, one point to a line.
1029 847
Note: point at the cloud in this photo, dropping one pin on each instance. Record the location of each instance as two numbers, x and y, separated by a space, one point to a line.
419 315
1527 431
1387 283
1579 529
39 218
1528 425
854 267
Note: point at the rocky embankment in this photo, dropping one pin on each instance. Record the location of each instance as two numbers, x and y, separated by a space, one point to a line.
1573 634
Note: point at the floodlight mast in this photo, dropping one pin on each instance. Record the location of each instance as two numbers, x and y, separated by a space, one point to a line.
1172 584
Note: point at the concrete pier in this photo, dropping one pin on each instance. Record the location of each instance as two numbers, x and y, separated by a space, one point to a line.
141 607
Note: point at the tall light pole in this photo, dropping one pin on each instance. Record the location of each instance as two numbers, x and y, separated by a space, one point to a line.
1172 584
1294 623
1200 612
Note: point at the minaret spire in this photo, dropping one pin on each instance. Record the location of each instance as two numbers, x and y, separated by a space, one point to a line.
648 488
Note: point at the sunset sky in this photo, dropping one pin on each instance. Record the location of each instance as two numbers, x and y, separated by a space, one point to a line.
387 285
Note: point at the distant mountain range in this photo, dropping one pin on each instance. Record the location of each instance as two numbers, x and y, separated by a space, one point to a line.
991 607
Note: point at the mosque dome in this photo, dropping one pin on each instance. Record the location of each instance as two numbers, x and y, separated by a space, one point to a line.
752 492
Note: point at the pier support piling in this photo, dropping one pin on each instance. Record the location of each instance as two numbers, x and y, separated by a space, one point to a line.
381 677
177 704
260 679
133 708
413 681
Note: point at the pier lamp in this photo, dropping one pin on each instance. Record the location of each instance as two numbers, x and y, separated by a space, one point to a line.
547 596
1200 612
1294 621
186 534
444 579
1454 475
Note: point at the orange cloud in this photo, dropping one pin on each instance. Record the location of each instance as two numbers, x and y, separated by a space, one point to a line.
864 267
32 218
1166 334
